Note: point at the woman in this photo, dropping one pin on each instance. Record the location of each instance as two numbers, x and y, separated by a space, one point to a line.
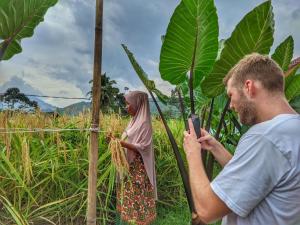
137 193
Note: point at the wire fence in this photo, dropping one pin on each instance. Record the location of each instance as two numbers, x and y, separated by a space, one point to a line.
38 130
171 109
48 96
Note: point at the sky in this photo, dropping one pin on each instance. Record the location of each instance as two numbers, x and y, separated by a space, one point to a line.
58 59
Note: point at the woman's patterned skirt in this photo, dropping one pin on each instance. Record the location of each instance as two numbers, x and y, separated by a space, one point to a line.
135 195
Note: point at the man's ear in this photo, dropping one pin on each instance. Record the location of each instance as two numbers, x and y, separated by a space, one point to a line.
250 88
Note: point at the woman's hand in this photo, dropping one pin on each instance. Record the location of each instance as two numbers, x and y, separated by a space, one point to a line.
207 141
110 137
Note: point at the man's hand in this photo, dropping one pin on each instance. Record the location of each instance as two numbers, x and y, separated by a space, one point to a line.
196 220
207 141
209 207
190 144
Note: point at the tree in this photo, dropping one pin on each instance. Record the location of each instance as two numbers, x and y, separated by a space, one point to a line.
111 98
15 99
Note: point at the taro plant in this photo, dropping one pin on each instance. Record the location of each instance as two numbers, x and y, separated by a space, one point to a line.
193 59
254 33
190 45
18 19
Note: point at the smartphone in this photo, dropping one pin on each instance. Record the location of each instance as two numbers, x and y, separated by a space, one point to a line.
197 124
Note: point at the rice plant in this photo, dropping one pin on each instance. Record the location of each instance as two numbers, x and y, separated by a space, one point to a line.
43 175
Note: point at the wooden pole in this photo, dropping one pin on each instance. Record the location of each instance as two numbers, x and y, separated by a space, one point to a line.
96 91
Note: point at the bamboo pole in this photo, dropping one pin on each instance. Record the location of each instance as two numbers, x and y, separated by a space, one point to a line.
96 91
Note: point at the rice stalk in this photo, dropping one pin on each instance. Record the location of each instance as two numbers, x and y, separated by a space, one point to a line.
61 147
15 214
26 161
6 137
118 157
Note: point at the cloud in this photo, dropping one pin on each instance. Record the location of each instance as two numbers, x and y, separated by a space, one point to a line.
287 23
18 82
285 15
58 59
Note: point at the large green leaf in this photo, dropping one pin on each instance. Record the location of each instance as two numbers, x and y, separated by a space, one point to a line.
149 84
254 33
295 103
191 41
220 49
290 75
200 99
284 53
294 65
18 19
293 89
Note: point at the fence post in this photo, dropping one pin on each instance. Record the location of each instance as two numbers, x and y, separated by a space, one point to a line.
96 92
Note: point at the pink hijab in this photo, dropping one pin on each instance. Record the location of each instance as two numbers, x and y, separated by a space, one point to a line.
139 133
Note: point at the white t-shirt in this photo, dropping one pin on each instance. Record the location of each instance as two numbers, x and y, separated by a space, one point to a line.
261 183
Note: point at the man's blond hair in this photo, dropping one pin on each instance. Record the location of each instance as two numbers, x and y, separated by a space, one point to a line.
257 67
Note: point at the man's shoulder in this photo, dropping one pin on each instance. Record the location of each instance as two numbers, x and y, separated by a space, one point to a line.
282 124
282 131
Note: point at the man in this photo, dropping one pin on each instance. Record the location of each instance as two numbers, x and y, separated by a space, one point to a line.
260 183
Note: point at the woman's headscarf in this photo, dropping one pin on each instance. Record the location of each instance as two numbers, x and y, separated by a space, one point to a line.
139 133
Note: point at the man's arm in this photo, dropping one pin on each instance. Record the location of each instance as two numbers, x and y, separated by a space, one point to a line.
208 205
209 143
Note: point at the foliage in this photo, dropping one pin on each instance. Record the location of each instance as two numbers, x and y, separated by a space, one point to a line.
149 84
18 19
284 53
295 103
15 99
191 42
293 89
111 99
254 33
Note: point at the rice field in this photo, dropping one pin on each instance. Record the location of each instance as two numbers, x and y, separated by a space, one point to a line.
43 175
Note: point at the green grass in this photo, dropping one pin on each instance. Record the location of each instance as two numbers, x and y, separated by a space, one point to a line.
177 215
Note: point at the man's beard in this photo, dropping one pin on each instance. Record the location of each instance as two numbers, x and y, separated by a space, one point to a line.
247 111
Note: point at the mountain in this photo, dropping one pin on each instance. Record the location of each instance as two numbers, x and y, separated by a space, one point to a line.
79 107
75 108
45 107
171 109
